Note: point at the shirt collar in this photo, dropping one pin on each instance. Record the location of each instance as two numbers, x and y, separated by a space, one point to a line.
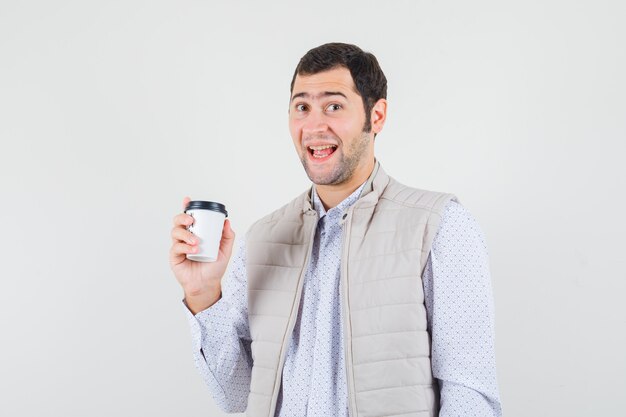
339 208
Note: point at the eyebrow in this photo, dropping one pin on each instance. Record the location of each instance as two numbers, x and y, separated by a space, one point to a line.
324 94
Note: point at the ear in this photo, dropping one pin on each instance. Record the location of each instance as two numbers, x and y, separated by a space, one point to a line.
379 115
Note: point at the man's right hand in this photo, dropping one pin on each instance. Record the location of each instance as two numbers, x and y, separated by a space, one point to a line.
201 281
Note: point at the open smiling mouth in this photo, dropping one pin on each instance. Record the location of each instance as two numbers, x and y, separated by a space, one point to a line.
321 152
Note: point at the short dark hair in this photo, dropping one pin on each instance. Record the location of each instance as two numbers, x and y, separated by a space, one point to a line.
368 77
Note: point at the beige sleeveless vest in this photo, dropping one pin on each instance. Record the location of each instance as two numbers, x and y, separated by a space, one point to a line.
387 237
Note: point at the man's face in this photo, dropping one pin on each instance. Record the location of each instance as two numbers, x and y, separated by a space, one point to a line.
326 120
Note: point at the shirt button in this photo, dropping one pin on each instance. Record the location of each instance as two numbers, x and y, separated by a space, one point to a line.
345 215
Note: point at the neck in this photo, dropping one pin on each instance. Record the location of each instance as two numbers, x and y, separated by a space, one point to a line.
332 195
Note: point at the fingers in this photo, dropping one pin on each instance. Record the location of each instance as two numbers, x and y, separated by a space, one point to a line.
182 219
186 201
183 248
180 234
179 251
183 241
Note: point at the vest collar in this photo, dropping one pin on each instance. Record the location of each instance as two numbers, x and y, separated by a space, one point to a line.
372 190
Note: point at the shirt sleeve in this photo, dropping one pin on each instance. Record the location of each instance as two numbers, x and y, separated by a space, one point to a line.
221 341
459 304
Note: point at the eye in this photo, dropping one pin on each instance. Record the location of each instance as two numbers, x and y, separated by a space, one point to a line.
300 107
334 107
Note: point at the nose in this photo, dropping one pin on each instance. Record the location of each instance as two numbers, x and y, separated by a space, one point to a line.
315 123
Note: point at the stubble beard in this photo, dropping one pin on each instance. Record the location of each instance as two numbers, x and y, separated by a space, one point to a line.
344 168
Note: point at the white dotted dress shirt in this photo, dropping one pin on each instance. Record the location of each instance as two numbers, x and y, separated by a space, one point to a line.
459 304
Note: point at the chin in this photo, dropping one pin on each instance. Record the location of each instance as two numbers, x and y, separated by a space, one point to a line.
330 177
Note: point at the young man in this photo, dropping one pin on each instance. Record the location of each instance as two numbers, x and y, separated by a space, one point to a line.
362 296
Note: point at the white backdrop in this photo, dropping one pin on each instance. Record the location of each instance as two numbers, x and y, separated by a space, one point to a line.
111 112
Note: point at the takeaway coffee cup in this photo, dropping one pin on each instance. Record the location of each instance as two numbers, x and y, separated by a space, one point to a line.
207 226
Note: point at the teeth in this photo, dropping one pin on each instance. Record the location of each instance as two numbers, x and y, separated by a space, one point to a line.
319 148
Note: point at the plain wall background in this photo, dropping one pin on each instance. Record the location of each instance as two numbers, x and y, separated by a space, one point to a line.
111 112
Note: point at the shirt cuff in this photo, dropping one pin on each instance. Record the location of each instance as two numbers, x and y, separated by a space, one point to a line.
202 322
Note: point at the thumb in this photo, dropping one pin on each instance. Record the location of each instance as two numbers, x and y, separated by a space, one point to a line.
228 239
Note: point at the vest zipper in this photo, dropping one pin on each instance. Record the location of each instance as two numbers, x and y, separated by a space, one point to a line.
345 298
294 316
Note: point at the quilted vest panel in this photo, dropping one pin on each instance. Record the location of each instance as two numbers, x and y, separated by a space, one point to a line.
388 234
